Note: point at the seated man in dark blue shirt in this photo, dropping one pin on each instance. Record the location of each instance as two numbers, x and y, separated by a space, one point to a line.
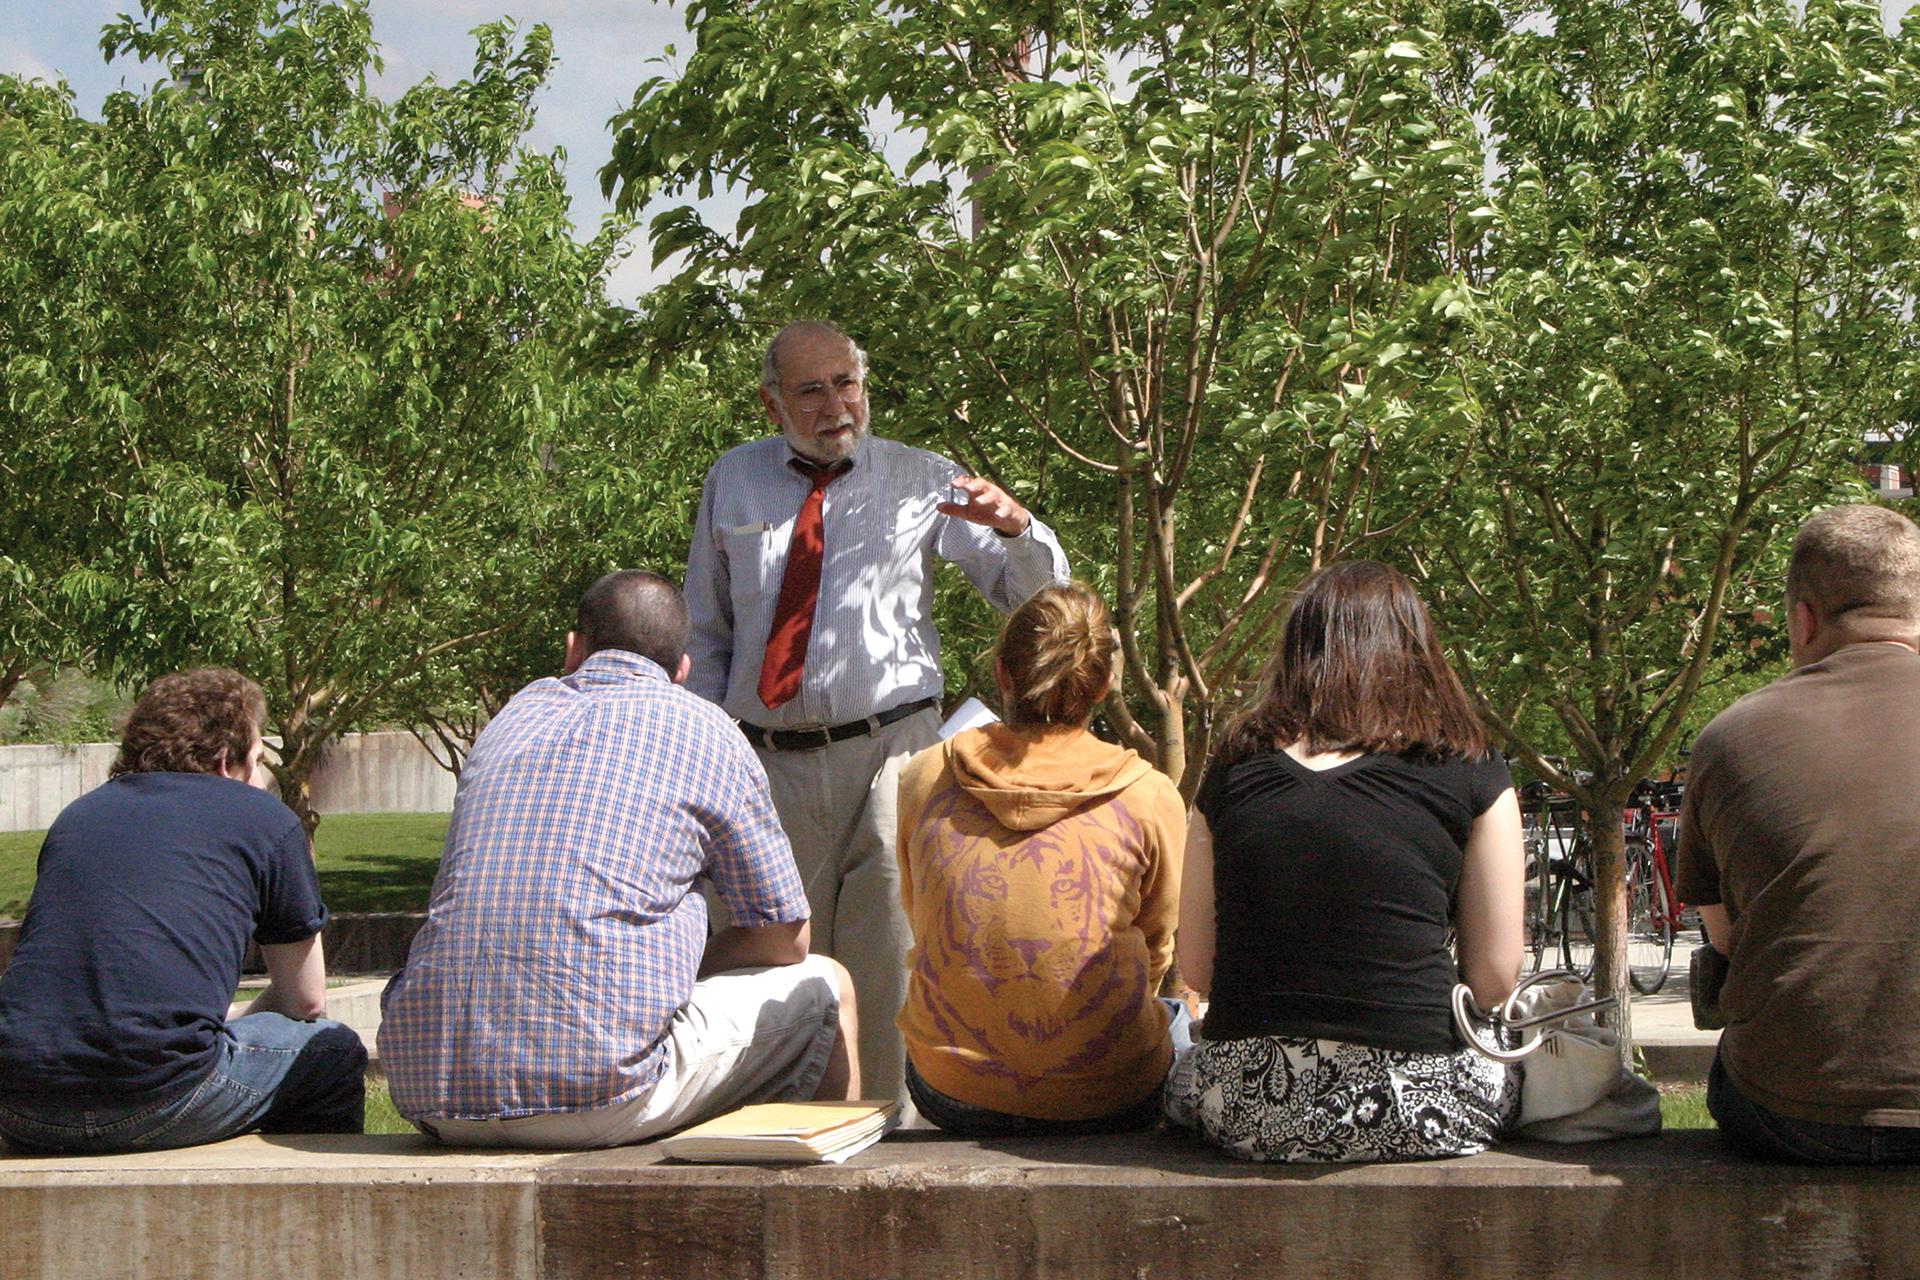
113 1016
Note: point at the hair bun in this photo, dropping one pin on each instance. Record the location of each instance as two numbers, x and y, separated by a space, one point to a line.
1057 654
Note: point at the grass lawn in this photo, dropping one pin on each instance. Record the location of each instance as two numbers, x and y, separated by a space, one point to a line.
367 861
381 1117
378 861
1684 1106
18 851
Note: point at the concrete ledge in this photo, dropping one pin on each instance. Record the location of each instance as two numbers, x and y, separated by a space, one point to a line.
1676 1062
921 1205
373 942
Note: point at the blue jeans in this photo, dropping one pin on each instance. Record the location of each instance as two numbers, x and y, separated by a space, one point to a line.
969 1121
272 1074
1757 1131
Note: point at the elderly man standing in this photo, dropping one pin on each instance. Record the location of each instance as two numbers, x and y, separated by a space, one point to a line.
810 584
1799 842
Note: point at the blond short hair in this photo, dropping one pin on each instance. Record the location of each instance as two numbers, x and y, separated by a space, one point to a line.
1058 653
1857 562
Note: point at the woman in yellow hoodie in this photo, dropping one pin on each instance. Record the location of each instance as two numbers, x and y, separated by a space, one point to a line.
1040 869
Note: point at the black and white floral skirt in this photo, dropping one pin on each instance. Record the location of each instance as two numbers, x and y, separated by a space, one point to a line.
1327 1101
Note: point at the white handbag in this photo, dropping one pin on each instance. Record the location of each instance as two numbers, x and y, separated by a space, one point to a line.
1572 1086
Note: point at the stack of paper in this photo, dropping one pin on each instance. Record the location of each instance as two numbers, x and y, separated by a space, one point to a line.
772 1132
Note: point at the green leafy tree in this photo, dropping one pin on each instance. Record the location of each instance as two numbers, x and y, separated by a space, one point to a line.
337 341
63 248
1171 272
1697 298
626 480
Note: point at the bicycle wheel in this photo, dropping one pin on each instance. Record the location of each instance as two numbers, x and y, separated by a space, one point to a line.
1649 923
1538 920
1576 912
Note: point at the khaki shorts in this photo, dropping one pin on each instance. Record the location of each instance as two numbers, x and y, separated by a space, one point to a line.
748 1035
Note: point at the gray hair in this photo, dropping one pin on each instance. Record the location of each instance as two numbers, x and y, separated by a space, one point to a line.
770 362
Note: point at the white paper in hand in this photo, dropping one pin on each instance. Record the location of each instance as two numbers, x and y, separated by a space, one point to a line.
970 714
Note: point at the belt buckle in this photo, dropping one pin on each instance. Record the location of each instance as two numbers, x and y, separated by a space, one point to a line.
823 732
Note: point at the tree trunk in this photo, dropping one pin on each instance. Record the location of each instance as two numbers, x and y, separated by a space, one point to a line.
1171 740
11 674
300 747
1610 972
296 790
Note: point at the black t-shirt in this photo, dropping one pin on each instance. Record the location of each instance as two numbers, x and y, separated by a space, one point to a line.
148 889
1332 895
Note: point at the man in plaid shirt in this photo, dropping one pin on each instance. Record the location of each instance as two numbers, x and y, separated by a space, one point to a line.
564 991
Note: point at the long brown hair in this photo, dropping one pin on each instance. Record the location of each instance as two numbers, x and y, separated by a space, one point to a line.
1358 669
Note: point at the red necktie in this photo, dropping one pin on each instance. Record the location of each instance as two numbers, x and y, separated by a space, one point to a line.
799 593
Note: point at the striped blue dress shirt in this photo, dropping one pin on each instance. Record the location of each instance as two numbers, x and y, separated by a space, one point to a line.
874 645
563 933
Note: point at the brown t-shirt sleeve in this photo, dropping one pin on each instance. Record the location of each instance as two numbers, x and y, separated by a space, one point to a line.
1697 879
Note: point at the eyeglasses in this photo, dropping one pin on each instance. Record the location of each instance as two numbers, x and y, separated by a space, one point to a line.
814 398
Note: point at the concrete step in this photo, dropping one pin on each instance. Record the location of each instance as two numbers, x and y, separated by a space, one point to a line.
1119 1207
369 942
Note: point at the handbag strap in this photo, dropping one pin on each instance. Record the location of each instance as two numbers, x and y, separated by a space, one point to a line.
1468 1016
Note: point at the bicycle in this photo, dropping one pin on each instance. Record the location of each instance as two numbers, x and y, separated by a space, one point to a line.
1654 909
1550 835
1574 900
1560 880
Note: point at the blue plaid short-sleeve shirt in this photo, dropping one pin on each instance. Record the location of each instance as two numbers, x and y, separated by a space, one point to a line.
563 932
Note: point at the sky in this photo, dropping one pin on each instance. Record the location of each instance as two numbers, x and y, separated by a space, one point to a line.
605 49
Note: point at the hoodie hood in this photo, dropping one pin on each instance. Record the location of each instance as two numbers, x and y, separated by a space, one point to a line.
1032 776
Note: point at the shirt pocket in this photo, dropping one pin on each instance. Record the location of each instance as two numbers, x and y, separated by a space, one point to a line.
755 555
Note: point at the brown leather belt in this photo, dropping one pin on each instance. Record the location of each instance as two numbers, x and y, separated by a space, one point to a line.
826 735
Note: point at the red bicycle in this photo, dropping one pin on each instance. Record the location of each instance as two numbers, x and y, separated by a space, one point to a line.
1652 818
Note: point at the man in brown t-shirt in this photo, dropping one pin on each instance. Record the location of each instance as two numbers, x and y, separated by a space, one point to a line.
1800 844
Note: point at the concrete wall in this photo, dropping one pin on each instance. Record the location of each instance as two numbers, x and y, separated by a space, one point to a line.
361 773
924 1206
381 773
37 782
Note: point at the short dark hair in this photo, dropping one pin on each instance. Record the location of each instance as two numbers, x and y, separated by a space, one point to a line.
1857 564
191 722
637 611
1359 669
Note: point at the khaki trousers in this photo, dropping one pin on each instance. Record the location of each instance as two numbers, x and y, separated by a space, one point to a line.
745 1035
838 807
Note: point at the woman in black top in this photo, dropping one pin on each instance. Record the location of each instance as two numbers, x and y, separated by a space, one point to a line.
1347 819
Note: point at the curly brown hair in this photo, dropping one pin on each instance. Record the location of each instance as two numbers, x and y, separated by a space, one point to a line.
191 722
